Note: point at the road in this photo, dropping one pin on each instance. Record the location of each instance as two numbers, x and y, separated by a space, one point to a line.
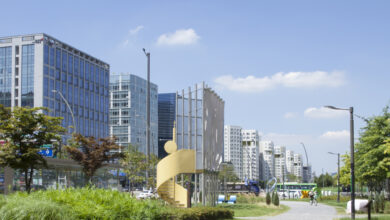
302 211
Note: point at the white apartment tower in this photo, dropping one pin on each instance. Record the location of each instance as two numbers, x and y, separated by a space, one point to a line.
233 148
251 152
290 161
280 163
298 165
267 152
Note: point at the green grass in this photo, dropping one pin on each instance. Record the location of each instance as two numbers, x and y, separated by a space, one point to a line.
384 217
250 210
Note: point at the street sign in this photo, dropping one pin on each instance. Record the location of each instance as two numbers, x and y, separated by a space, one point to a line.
47 146
46 152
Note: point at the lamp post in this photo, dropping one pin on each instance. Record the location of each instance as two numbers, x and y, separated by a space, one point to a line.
338 175
147 115
70 109
350 109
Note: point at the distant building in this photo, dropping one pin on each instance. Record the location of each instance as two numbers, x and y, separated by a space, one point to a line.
307 174
290 161
298 165
250 154
267 150
280 163
233 148
166 120
128 111
34 66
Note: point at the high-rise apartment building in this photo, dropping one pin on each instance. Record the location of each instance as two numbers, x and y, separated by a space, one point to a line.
267 152
128 120
166 120
250 154
306 174
298 172
36 69
233 148
280 163
290 161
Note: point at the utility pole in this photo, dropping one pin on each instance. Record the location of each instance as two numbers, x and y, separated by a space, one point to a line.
147 117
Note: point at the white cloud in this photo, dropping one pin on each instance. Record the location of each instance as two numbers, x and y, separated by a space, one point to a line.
324 113
180 37
136 30
289 115
336 134
290 80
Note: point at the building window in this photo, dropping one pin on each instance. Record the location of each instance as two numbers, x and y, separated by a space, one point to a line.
28 75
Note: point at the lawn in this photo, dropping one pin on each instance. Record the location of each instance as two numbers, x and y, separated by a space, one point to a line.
383 217
258 209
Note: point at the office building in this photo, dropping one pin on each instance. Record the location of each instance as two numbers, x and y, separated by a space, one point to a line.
166 120
233 148
128 120
267 152
250 154
36 68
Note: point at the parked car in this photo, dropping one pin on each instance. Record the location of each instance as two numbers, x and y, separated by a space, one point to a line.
145 195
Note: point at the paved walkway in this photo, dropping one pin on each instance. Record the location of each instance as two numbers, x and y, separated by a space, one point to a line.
302 211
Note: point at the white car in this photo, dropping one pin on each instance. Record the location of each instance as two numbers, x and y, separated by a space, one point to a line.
145 195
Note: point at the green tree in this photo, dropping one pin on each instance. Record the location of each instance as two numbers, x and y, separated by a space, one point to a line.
24 131
345 170
227 173
268 198
92 154
134 165
325 180
371 159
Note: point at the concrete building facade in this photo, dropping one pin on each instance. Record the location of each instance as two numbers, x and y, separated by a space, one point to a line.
280 163
267 152
250 154
233 148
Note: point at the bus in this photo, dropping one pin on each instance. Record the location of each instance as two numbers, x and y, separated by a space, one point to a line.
294 189
242 187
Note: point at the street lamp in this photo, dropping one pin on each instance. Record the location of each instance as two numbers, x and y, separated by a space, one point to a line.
350 109
147 115
70 109
338 175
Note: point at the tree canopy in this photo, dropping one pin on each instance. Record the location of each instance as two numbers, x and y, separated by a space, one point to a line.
24 131
93 154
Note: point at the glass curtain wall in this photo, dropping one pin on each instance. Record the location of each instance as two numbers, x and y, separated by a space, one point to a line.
5 75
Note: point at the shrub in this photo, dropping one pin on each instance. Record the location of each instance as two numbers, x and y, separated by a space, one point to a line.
202 213
276 199
376 203
249 198
382 202
334 198
268 198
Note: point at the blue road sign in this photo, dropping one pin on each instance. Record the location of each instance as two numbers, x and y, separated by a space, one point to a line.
46 152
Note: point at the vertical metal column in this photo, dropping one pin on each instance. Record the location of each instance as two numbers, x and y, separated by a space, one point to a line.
203 155
182 132
196 141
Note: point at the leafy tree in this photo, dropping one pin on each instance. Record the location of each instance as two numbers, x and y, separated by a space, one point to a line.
275 199
24 131
92 154
372 153
134 165
324 180
227 173
345 170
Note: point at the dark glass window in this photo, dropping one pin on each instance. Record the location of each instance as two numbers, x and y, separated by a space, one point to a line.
76 66
58 58
76 95
64 61
86 99
81 97
70 94
58 88
64 90
76 81
63 77
70 64
92 101
51 88
46 86
82 68
46 70
58 75
52 73
86 71
51 56
28 75
91 72
70 79
46 54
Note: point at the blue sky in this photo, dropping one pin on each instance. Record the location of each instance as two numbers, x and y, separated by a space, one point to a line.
275 63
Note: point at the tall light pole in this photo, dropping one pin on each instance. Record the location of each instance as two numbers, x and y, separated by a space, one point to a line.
338 175
147 115
350 109
307 164
70 109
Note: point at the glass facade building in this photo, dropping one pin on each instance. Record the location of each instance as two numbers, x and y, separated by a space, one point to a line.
33 67
166 120
128 111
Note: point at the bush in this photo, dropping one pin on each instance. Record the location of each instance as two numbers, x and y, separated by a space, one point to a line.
249 198
376 203
276 199
334 198
202 213
268 198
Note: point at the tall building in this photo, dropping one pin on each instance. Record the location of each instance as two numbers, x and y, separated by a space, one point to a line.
290 161
267 152
128 120
166 120
298 172
233 148
306 174
280 163
36 68
250 154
